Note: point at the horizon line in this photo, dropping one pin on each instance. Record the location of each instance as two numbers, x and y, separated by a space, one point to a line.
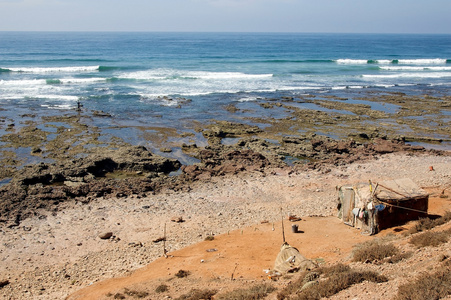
232 32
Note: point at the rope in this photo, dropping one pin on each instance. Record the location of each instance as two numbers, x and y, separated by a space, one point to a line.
391 190
402 207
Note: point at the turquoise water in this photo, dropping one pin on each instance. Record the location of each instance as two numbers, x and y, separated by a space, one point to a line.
146 78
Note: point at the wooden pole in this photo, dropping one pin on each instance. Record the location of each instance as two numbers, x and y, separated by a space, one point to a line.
283 229
164 243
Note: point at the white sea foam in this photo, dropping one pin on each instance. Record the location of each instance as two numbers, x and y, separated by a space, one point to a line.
351 61
384 61
171 74
294 88
422 61
81 80
41 97
31 82
418 68
161 99
228 75
58 106
248 99
56 97
55 69
411 75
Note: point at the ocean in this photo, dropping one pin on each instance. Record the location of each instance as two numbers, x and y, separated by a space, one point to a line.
168 79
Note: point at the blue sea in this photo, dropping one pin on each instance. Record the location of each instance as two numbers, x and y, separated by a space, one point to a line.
168 79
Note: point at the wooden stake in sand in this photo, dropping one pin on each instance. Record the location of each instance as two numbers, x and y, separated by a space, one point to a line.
165 252
283 229
236 266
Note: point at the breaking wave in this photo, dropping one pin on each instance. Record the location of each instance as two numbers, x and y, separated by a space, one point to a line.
44 70
419 61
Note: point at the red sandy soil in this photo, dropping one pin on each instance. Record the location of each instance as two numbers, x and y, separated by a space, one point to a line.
242 256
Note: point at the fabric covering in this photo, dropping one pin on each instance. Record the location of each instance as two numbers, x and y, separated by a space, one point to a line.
399 189
290 259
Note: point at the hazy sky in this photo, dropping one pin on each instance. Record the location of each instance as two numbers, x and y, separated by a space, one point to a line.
367 16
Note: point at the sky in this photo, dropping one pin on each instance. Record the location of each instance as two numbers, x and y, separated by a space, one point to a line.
344 16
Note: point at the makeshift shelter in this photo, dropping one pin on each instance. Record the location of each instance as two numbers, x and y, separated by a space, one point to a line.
375 206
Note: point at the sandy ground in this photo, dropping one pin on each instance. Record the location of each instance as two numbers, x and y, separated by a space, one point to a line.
62 254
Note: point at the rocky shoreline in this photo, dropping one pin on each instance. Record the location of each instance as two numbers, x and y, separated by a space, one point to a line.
80 171
134 171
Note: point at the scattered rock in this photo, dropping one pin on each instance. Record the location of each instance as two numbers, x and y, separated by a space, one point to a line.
4 283
106 235
177 219
160 239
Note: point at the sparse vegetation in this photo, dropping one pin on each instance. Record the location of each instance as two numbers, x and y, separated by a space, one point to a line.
430 238
119 296
196 294
398 257
256 292
335 279
182 274
293 287
209 238
427 286
428 223
374 250
162 288
136 294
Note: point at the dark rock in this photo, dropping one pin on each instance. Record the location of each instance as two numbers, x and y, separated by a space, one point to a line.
4 283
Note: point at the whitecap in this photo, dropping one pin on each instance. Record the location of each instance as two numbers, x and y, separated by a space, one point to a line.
422 61
30 82
171 74
248 99
410 75
347 61
81 80
54 69
410 68
56 97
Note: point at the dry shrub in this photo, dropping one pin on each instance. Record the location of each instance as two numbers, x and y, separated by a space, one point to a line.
162 288
292 287
334 279
136 294
427 286
427 223
255 292
196 294
369 252
338 282
334 269
398 257
182 274
430 238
